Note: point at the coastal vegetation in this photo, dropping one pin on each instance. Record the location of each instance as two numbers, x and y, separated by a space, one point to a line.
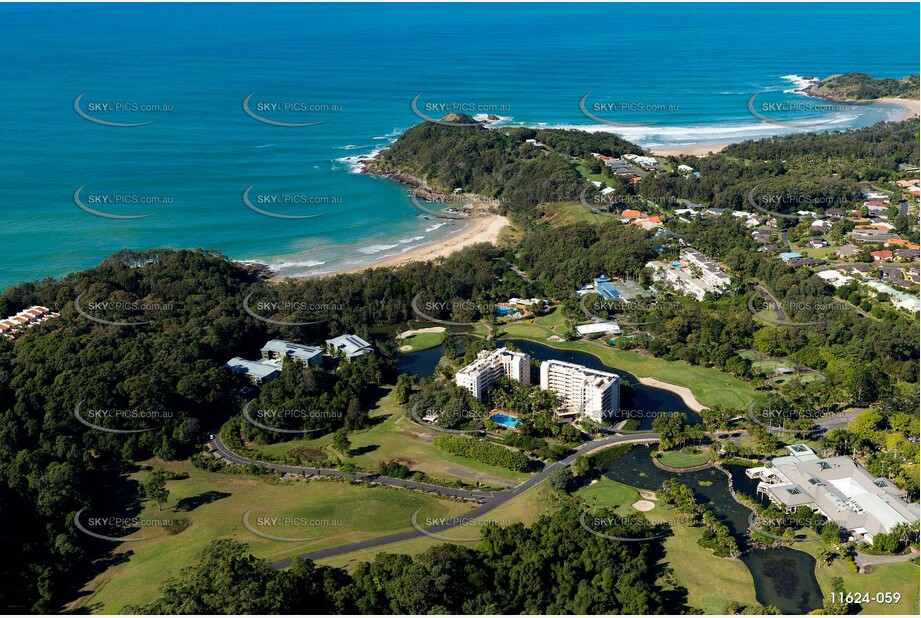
864 87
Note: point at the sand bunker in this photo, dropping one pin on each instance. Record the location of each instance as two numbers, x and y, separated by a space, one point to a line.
649 495
644 505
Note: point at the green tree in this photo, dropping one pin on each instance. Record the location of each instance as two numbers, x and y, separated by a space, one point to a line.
341 441
154 487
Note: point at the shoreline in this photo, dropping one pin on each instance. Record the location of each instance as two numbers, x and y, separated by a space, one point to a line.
480 229
697 150
686 394
912 107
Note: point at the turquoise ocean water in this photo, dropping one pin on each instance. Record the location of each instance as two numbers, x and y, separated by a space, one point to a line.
358 67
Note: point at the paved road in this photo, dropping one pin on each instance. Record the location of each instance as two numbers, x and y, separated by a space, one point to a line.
488 500
865 560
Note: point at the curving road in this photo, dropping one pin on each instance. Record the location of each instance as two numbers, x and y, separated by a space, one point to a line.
488 500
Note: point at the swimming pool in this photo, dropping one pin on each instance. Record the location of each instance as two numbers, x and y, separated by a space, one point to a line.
505 420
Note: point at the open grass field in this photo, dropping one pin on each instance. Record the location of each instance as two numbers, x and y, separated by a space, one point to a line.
213 504
680 459
711 582
397 436
902 577
525 508
710 386
567 213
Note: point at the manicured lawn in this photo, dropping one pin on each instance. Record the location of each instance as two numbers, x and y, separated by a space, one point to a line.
214 504
695 567
899 577
551 320
397 436
680 459
709 385
422 341
524 508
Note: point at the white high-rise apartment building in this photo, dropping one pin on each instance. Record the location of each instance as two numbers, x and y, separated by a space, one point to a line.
587 392
490 366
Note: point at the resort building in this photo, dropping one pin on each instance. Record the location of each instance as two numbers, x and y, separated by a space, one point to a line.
278 349
583 391
838 488
694 275
491 366
352 346
27 318
258 372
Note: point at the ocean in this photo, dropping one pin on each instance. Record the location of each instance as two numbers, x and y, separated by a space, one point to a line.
683 72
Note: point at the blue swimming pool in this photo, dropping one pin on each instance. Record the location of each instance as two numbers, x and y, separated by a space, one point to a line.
505 419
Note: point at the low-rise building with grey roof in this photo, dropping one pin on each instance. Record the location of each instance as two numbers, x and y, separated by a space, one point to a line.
838 488
352 346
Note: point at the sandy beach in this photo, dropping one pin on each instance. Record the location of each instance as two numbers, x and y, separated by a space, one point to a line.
687 396
480 229
697 150
912 107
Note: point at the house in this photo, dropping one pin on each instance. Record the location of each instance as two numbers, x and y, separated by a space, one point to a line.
907 254
818 242
838 488
847 251
891 272
352 346
835 213
905 184
820 226
280 350
804 261
27 318
879 256
257 372
631 214
790 255
898 242
871 235
685 168
834 278
770 248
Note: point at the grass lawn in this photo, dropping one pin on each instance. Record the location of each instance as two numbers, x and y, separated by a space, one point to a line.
567 213
214 504
710 386
695 567
680 459
422 341
897 577
397 436
552 320
525 508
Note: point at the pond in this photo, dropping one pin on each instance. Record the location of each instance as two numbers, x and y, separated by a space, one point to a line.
783 577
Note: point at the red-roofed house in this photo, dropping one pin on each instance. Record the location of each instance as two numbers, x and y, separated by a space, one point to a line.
879 256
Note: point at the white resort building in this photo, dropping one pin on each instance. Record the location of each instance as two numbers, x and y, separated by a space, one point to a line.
492 365
583 391
694 275
838 488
